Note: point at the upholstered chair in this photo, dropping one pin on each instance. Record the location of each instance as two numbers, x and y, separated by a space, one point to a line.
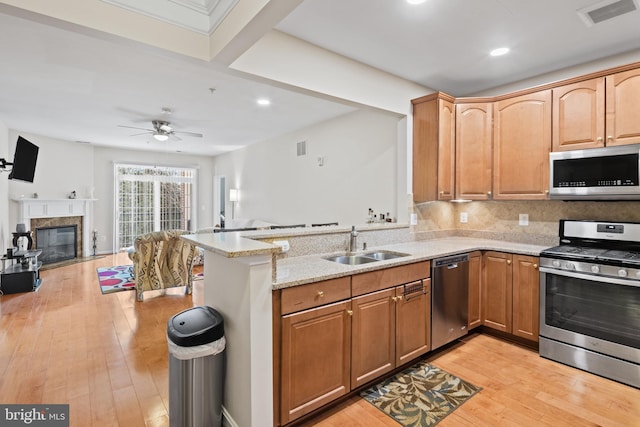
161 260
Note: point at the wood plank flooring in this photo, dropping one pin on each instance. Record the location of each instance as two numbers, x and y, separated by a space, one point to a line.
106 356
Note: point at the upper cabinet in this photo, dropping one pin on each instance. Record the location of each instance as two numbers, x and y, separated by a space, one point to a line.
521 145
433 148
598 112
623 104
473 151
578 115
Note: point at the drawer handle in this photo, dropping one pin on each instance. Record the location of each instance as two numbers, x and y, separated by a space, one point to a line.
320 294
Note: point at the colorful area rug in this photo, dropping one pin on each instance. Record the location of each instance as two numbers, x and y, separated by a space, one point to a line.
116 279
421 395
120 278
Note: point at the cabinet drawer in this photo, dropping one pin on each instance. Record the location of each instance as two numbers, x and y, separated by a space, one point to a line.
381 279
315 294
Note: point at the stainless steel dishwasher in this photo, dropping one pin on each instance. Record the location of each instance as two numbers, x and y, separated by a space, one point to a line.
449 299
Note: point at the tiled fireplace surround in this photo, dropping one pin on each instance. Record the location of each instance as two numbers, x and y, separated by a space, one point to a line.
35 213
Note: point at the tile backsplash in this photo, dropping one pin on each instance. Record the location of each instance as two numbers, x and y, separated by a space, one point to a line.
502 217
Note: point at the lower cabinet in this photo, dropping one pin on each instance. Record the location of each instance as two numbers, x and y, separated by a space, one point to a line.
328 350
475 290
315 359
510 289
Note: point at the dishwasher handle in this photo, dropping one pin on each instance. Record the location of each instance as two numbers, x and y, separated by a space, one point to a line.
451 261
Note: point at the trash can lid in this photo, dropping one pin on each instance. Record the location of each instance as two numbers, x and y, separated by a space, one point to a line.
195 326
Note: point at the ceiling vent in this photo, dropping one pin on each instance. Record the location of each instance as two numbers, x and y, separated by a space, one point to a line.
605 10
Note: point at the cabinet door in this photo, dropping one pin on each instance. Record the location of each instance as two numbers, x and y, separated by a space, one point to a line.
496 291
433 148
446 150
413 321
475 282
578 115
473 151
521 145
373 336
623 104
526 304
316 348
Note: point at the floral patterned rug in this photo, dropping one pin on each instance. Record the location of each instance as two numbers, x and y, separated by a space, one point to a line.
120 278
421 395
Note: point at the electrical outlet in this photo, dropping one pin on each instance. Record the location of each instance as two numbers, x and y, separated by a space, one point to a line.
524 219
414 219
464 217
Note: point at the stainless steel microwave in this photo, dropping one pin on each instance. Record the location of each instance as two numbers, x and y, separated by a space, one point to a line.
611 173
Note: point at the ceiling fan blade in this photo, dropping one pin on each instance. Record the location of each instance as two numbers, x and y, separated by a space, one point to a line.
197 135
174 137
132 127
143 133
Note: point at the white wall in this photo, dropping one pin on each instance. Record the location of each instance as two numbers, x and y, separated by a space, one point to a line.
65 166
360 171
5 231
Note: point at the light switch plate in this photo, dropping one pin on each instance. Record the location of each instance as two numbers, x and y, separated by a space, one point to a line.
464 217
524 219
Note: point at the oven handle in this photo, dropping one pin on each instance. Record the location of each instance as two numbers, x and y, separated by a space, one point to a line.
591 277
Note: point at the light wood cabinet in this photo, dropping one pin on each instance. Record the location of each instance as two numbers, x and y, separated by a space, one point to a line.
433 148
413 320
578 115
526 303
315 359
473 151
373 330
510 294
497 291
475 283
622 106
521 146
598 112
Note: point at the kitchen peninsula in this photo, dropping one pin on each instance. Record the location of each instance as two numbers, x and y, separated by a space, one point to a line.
243 272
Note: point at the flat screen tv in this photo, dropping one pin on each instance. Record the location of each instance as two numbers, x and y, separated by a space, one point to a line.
24 161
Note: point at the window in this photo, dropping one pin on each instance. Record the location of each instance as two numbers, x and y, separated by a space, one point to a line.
152 198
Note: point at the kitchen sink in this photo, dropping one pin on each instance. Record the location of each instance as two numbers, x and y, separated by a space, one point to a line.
357 259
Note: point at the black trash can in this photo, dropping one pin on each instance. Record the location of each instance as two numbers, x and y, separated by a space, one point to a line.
196 367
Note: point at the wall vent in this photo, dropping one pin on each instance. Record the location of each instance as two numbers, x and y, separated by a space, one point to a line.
605 10
301 148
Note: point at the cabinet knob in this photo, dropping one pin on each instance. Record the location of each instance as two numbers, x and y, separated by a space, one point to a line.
394 299
350 312
489 193
535 265
399 297
508 262
546 192
599 139
609 138
320 294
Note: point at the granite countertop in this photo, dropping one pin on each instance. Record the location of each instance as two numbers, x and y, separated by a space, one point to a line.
231 244
301 270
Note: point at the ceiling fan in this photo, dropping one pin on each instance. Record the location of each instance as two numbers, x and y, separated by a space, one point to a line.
162 131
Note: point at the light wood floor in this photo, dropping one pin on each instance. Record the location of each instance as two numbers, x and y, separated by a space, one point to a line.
106 356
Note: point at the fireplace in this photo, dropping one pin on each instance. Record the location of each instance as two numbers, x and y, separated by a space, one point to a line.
58 243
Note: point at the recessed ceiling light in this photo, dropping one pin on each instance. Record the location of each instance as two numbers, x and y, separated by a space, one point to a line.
499 51
263 101
416 1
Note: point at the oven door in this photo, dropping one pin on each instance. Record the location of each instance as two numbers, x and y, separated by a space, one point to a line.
596 313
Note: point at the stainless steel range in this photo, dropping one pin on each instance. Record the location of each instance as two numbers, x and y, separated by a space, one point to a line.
590 299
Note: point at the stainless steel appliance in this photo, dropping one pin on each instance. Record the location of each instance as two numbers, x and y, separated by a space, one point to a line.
598 173
590 299
449 299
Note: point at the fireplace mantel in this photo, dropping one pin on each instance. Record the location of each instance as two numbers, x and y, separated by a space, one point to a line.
52 208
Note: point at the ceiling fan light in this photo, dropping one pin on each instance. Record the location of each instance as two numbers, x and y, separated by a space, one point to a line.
160 136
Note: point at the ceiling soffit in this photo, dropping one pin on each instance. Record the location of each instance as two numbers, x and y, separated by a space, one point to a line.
200 16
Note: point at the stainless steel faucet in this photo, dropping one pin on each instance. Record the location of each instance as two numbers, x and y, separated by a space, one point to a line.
353 243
